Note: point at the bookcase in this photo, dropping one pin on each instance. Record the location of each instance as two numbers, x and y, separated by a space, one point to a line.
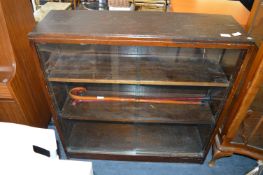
143 86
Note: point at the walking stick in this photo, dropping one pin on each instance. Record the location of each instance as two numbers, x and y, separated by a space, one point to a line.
77 95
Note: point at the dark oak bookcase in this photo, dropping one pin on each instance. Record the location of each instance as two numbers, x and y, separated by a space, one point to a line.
147 55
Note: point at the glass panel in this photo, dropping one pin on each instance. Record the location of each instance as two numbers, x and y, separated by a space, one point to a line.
138 65
138 100
251 130
137 139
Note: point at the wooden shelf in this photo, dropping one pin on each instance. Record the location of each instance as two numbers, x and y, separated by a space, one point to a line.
134 140
138 112
133 69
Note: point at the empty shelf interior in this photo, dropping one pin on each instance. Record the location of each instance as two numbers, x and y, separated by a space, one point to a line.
133 69
135 139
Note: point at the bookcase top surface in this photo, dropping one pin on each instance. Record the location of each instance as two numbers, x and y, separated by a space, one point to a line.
176 27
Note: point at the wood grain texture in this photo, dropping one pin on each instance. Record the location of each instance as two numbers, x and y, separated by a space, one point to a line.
6 72
175 83
25 84
6 69
4 92
255 23
252 15
141 26
10 111
5 45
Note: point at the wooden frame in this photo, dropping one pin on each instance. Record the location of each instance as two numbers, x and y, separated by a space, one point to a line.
254 26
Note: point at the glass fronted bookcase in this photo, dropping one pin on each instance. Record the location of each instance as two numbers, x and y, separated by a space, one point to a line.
139 91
